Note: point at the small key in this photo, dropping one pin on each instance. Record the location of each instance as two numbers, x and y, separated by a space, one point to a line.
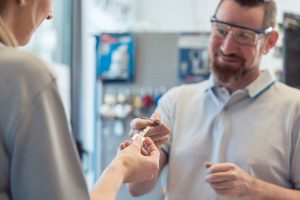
141 133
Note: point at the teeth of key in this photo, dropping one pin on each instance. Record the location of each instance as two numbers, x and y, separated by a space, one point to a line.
144 132
141 133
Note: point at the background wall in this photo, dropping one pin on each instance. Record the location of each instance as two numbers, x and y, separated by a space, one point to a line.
187 15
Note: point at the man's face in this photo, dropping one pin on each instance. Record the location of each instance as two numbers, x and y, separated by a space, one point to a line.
232 60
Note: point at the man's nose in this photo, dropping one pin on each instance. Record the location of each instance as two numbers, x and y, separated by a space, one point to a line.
229 44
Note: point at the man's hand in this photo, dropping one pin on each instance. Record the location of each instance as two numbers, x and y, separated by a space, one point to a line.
229 180
159 132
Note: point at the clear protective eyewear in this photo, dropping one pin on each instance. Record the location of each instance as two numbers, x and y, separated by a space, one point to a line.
242 35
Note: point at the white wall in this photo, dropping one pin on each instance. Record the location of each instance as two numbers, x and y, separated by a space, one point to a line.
287 6
186 15
174 15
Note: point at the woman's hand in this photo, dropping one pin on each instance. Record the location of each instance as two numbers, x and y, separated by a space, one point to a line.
138 166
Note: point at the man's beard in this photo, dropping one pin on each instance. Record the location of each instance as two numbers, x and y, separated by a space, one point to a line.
224 73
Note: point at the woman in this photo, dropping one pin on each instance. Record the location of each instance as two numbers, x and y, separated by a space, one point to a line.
38 158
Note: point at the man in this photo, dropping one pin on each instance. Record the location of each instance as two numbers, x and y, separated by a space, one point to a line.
235 136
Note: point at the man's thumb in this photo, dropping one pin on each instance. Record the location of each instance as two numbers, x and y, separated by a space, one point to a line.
155 116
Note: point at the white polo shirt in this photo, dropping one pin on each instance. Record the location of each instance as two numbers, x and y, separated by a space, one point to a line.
256 128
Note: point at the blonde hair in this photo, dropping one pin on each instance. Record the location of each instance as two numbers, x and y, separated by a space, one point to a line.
6 36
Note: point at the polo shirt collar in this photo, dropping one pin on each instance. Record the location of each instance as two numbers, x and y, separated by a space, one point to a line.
263 82
210 82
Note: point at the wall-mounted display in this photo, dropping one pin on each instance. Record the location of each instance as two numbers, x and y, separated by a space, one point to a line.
193 57
115 57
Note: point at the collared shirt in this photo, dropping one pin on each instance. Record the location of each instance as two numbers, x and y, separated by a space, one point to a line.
256 128
262 83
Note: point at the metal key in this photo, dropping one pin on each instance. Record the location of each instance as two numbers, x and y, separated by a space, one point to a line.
142 133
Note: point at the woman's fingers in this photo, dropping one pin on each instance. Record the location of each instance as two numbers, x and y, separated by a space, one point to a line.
124 144
152 149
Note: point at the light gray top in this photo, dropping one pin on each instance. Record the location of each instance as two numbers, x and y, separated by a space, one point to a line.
256 128
38 159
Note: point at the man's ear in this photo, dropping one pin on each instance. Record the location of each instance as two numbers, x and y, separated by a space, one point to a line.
271 41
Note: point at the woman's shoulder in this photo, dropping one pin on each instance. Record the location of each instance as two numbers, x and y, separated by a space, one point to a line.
18 64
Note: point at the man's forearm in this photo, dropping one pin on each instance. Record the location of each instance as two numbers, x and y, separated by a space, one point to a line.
267 191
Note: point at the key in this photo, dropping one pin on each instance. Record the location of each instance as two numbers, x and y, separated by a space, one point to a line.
141 133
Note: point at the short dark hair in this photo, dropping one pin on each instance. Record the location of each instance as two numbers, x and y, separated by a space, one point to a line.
270 9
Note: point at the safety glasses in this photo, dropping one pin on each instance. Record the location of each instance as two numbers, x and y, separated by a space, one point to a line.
243 35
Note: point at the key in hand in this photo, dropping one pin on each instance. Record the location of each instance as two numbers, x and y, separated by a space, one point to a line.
141 133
